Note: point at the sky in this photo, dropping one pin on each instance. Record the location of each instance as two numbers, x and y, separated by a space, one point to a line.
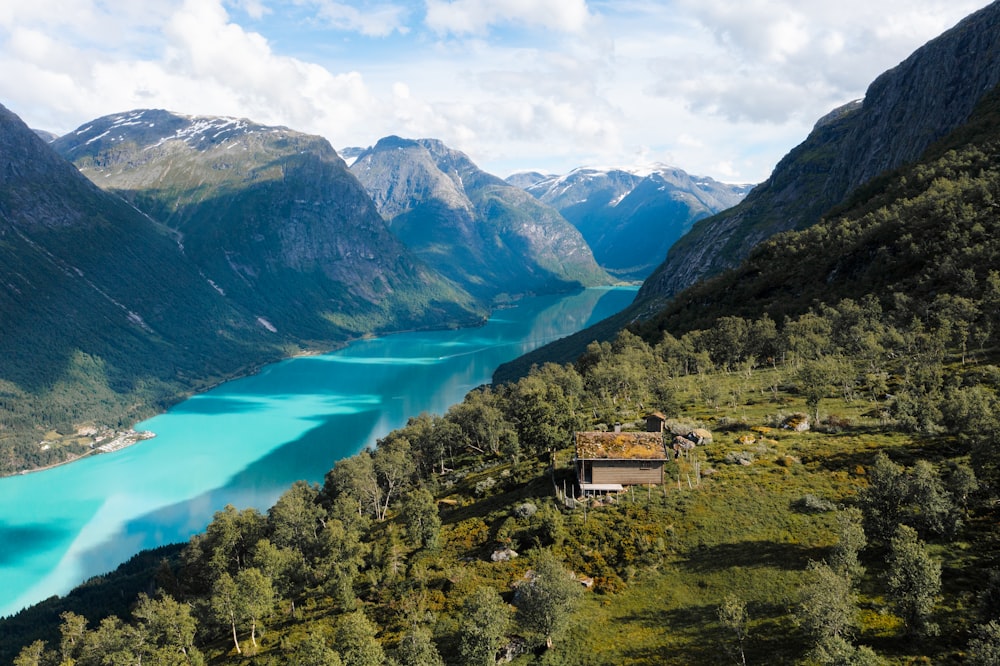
719 88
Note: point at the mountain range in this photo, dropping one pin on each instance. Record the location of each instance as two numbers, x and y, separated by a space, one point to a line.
850 153
631 216
272 217
104 318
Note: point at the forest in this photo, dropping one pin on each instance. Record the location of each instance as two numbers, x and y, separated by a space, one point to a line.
845 511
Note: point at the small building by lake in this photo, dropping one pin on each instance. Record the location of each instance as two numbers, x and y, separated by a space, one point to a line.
609 461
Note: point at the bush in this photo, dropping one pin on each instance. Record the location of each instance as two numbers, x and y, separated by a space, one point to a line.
813 504
739 458
524 511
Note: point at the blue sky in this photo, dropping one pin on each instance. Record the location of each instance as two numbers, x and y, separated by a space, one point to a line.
722 88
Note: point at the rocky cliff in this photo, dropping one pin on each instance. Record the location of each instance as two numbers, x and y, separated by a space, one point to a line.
903 112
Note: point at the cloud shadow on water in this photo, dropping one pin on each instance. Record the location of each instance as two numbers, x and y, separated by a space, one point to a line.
21 541
212 404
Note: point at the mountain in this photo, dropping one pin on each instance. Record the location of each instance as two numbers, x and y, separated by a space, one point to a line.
273 218
921 242
904 110
46 136
490 237
104 319
631 217
525 179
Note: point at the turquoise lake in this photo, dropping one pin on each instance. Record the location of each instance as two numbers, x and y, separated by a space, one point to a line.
246 441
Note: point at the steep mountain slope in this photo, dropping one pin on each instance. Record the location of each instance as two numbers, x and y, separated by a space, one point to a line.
923 242
631 217
272 217
486 235
903 112
103 318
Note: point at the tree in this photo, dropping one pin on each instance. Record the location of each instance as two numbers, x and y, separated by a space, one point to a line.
296 519
168 625
483 423
112 643
972 412
432 438
229 539
914 581
485 619
838 651
72 631
313 651
546 601
882 502
984 649
932 508
372 479
420 515
817 377
224 605
828 608
285 567
356 641
255 598
544 407
417 649
733 618
35 655
852 540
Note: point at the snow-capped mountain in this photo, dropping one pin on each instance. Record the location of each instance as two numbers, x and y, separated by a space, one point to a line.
631 215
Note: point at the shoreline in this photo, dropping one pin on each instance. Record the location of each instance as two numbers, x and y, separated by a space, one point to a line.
255 368
122 440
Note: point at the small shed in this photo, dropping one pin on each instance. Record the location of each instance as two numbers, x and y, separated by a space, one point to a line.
611 460
656 422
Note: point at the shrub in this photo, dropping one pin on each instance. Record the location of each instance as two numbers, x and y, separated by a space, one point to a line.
813 504
739 458
526 510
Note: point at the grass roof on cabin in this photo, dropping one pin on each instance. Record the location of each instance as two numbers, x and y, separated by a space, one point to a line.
620 445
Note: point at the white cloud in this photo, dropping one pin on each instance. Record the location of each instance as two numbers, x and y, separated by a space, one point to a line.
255 9
718 88
373 20
475 16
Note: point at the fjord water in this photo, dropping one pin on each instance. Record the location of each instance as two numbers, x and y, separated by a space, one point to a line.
246 441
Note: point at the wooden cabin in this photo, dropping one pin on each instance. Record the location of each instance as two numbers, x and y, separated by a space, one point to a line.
608 461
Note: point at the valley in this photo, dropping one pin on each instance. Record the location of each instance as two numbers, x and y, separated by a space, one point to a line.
817 356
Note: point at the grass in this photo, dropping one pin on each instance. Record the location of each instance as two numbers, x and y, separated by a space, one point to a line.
740 530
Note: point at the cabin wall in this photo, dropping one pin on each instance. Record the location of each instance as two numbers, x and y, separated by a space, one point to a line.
626 472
